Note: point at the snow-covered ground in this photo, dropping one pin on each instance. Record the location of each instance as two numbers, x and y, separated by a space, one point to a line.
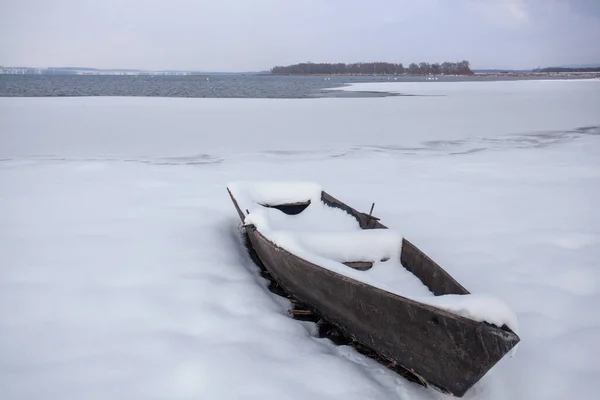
121 269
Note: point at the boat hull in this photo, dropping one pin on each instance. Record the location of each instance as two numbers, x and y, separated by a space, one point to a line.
445 350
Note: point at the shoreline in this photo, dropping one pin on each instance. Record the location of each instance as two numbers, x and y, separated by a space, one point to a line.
475 75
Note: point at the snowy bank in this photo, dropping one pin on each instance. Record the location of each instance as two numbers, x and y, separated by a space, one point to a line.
122 276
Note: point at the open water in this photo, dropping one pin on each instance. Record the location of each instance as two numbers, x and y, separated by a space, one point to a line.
214 86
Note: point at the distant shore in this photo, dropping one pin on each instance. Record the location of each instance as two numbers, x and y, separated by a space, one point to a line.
543 74
477 74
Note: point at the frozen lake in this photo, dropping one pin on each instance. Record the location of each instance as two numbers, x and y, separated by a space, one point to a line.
122 274
442 117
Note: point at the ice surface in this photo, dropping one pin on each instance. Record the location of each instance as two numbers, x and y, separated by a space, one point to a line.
122 274
203 131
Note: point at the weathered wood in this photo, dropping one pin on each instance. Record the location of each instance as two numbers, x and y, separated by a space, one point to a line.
364 220
237 206
428 271
445 350
300 312
359 265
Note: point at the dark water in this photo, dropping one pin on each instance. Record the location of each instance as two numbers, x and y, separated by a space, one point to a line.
224 86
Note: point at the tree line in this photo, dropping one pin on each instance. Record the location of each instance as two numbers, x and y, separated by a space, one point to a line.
376 68
563 69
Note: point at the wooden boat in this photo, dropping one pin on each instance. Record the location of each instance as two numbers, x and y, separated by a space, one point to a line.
445 350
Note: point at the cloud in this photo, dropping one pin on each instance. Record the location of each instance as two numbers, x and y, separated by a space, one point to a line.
517 10
240 35
501 12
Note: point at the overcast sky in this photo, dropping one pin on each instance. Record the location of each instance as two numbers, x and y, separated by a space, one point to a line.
250 35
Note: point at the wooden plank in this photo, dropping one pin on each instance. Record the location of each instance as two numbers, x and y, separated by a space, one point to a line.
428 271
236 205
359 265
364 220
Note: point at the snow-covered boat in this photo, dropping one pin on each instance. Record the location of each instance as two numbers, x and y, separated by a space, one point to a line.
373 284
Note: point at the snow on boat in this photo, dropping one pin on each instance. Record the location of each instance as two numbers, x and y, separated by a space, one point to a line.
373 284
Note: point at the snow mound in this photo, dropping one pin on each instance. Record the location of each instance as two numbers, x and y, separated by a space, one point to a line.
480 307
275 192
